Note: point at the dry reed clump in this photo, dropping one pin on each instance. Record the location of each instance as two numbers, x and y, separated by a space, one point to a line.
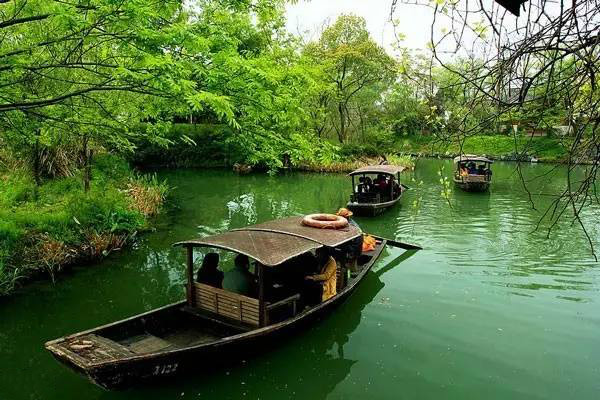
8 162
348 166
100 244
147 195
48 253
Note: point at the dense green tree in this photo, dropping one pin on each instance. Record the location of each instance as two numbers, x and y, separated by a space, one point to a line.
352 63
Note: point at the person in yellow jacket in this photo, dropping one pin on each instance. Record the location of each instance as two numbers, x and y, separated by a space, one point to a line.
327 277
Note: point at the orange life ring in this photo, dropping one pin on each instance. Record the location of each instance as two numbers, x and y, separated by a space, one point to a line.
325 221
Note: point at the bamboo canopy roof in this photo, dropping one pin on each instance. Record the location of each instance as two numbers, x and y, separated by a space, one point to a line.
378 169
274 242
471 157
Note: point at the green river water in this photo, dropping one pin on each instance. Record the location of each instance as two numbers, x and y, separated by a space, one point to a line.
489 309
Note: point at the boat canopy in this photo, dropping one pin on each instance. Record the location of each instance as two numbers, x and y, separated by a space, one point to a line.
274 242
471 157
378 169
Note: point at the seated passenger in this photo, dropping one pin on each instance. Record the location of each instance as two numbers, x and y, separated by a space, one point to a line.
368 185
463 170
360 188
326 279
208 272
472 169
481 169
382 185
239 279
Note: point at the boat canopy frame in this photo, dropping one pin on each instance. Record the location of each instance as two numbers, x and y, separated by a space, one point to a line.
271 244
384 169
472 157
379 169
274 242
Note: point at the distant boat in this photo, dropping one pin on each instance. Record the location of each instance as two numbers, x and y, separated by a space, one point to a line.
472 173
533 159
368 197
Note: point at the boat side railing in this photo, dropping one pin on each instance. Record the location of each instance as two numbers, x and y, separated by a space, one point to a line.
289 301
473 178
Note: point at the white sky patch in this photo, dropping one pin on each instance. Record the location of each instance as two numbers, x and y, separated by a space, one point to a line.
308 18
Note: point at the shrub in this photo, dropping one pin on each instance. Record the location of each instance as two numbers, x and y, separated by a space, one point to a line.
43 229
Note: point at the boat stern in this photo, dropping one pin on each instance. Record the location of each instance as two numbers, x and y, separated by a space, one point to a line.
88 354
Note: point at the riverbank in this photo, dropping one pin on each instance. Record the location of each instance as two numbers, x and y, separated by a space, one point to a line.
47 228
214 146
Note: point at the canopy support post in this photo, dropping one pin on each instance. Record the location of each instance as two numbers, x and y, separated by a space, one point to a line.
190 275
261 295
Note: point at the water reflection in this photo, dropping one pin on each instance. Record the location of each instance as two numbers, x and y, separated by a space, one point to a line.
494 235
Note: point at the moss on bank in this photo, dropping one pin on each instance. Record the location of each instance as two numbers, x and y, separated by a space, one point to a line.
47 228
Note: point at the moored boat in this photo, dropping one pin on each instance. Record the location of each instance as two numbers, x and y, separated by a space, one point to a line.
378 189
214 325
472 173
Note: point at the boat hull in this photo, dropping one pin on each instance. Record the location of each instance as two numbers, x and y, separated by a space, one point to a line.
197 360
124 373
371 209
472 186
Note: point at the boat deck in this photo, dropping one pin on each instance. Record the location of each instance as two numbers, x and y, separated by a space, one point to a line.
91 349
148 343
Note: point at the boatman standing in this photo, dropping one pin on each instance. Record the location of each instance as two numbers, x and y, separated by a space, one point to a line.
355 246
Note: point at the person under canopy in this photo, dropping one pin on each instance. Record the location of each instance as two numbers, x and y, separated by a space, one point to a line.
327 278
472 169
239 279
208 272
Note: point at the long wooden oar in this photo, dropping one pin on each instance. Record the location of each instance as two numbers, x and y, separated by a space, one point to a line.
402 245
395 262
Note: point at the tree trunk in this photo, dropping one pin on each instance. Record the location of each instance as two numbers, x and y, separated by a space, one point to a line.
342 131
36 160
87 165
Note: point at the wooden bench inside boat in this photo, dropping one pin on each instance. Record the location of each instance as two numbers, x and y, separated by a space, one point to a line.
235 306
239 308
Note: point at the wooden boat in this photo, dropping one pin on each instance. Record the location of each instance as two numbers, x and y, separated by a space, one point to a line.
212 325
367 199
472 182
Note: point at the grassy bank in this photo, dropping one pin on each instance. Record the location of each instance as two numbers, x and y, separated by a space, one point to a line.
44 229
546 149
